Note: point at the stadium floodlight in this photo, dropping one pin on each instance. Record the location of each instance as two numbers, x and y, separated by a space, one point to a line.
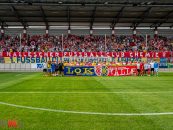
143 28
19 1
58 27
14 27
80 27
122 28
101 27
37 27
163 27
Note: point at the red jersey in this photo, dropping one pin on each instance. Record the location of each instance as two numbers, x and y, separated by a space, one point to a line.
141 66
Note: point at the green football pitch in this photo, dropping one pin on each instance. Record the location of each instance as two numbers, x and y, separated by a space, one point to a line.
35 102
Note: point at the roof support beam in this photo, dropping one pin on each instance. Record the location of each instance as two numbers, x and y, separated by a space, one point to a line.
171 26
68 18
93 17
44 17
2 24
165 18
117 17
143 16
24 24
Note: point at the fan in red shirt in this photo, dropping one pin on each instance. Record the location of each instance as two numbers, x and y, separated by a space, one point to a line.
142 68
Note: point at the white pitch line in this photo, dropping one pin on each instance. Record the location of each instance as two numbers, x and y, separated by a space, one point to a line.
39 92
18 74
87 113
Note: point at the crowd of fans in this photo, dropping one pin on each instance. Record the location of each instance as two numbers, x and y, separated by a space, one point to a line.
86 43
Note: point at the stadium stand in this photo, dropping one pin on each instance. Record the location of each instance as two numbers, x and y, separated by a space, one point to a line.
86 43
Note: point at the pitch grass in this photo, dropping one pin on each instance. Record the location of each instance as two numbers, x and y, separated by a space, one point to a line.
87 102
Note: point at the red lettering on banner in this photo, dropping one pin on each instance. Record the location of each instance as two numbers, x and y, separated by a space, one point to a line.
83 54
56 54
80 54
7 54
71 54
40 54
35 54
112 54
152 54
107 54
24 54
15 54
89 54
29 54
135 54
147 55
75 54
51 54
160 54
131 54
141 54
101 54
66 54
156 55
164 55
45 54
122 54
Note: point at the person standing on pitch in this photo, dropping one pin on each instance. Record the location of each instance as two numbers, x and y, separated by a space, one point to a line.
53 65
152 67
149 69
56 68
146 68
156 68
142 68
138 68
61 68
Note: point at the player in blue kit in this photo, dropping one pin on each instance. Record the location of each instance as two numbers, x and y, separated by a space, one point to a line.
156 68
53 66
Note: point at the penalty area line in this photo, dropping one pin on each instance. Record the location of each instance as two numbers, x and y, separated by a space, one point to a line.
86 113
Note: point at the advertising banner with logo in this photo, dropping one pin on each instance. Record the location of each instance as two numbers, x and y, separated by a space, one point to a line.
79 71
100 70
122 70
38 66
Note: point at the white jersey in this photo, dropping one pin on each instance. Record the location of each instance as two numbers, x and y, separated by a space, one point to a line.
145 66
152 64
149 66
138 65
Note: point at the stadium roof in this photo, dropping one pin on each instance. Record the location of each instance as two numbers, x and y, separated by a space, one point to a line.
89 13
